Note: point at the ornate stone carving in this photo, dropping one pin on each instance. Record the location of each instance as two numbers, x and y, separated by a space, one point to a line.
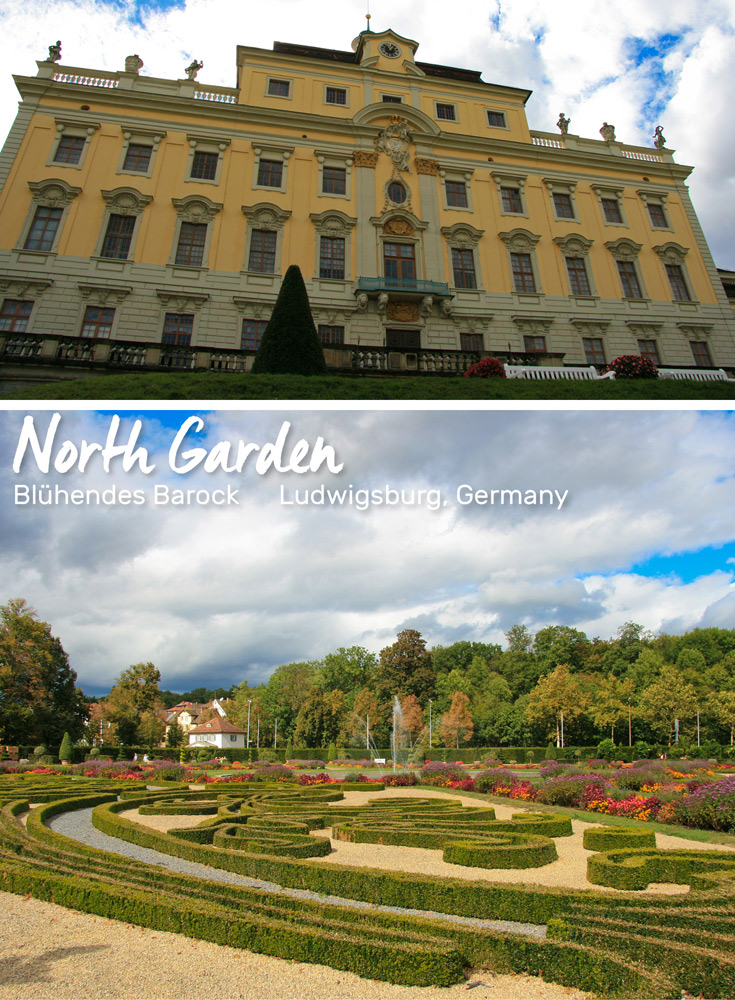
533 326
180 300
54 52
671 253
331 223
695 331
624 249
382 302
25 288
196 208
574 244
133 64
395 141
591 328
126 200
192 69
659 139
446 307
265 215
402 312
427 305
424 166
362 302
103 295
462 236
53 193
608 132
398 227
563 123
519 240
362 158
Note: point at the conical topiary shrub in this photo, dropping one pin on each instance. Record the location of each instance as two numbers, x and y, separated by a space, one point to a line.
65 750
290 344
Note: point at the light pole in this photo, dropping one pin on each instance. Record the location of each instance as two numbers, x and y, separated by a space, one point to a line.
249 704
275 735
367 735
630 726
698 734
258 743
430 722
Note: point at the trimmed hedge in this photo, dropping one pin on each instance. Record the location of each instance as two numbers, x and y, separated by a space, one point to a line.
615 945
611 838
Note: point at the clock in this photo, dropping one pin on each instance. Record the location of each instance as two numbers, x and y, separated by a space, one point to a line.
390 50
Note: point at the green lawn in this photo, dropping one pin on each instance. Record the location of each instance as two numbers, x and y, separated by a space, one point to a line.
186 385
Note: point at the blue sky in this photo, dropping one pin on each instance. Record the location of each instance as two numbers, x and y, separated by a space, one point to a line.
214 594
633 63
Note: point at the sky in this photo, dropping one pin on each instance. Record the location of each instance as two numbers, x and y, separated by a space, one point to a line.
633 63
639 528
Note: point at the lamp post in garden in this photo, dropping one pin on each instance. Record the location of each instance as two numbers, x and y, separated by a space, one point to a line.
430 721
630 726
249 704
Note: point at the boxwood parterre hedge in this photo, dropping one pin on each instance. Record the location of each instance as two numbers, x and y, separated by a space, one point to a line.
612 944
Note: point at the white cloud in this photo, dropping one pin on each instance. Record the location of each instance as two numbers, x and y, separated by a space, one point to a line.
219 594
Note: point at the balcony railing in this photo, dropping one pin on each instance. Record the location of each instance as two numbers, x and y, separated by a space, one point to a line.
384 359
402 285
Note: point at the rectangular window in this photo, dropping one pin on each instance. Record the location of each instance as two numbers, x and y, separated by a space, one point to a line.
14 315
334 180
70 149
629 279
456 194
470 342
192 237
392 99
331 335
511 199
523 277
177 329
332 257
336 95
97 322
204 166
138 158
496 119
252 334
447 112
399 260
649 349
611 208
279 88
270 173
43 228
657 216
700 353
563 205
678 285
594 350
463 266
262 256
579 283
534 345
118 237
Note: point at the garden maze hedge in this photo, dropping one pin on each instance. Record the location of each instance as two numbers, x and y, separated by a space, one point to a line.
611 943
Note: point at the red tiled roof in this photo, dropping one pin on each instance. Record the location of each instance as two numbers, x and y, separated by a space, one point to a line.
217 725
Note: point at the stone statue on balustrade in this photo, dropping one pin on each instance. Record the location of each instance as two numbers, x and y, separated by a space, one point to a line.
192 69
659 139
608 132
133 64
54 52
563 123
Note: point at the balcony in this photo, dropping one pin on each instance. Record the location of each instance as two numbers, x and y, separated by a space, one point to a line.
406 286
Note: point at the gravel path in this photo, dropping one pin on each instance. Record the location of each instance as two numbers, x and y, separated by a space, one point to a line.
50 953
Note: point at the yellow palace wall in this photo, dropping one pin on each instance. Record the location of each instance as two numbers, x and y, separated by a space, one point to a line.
305 132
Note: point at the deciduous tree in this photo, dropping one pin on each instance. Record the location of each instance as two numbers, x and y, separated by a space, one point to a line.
456 724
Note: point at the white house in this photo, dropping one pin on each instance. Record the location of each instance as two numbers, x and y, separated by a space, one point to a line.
217 732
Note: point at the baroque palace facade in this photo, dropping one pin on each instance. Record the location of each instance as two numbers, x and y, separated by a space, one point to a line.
145 223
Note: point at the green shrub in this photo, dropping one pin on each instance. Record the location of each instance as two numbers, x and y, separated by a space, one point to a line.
66 749
611 838
606 750
290 343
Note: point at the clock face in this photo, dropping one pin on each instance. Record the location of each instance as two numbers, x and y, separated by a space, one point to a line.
390 50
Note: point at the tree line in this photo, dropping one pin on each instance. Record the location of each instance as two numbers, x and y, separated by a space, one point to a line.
555 685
